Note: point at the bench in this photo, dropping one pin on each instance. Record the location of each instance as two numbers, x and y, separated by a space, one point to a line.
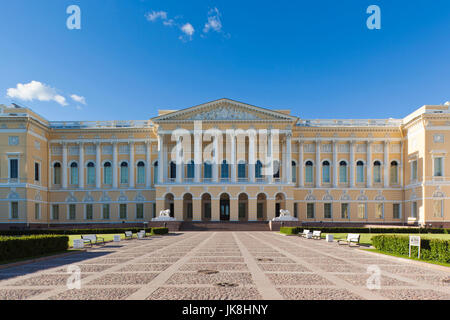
92 239
141 234
305 233
128 235
351 238
317 235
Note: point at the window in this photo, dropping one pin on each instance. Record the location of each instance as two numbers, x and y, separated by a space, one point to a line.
308 172
36 171
241 170
414 170
414 209
74 173
139 211
276 169
438 167
105 211
72 212
343 172
190 170
260 210
13 168
14 210
360 172
91 173
37 211
57 173
189 210
379 210
326 172
396 211
141 172
173 170
89 211
362 210
294 171
327 214
207 209
155 173
207 174
107 173
241 210
55 212
394 172
123 211
438 206
295 210
258 170
224 170
124 172
377 172
310 210
345 211
154 210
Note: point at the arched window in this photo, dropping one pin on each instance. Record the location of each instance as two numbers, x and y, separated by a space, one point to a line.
343 172
90 173
173 170
141 172
360 172
190 172
258 170
224 170
207 170
57 173
394 172
294 171
74 173
155 172
107 173
242 170
124 172
308 172
377 172
325 172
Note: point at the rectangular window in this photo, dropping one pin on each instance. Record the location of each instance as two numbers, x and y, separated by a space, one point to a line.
396 211
208 210
241 210
139 211
327 214
107 174
14 210
414 170
105 211
377 174
344 211
379 210
295 210
437 208
154 210
140 174
414 209
73 174
91 175
37 211
72 212
260 210
310 210
309 174
36 171
123 211
55 212
13 168
438 167
360 173
343 173
362 210
89 211
189 210
326 174
124 174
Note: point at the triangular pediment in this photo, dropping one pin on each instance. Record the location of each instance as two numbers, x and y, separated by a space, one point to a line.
224 110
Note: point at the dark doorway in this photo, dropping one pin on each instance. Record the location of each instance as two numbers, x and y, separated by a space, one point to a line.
224 207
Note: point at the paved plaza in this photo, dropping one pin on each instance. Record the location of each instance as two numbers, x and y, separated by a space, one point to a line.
225 265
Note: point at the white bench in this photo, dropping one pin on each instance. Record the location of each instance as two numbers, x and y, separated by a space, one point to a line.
351 238
305 233
128 235
317 235
92 239
141 234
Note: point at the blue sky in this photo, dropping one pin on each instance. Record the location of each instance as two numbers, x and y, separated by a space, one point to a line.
317 58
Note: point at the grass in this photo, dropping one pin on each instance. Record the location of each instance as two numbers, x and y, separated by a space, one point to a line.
106 237
366 238
407 257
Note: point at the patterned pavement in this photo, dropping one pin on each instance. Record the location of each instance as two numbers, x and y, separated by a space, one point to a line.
225 265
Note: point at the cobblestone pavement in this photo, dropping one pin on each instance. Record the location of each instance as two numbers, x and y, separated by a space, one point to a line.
225 265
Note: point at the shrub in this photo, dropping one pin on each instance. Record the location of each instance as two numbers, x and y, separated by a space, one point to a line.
30 246
375 230
430 249
160 230
72 231
289 230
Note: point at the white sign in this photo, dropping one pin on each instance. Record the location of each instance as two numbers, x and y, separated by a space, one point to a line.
117 238
414 241
78 243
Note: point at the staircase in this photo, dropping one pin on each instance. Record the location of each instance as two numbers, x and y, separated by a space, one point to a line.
225 226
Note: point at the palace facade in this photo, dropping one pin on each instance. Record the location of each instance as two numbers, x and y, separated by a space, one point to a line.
225 160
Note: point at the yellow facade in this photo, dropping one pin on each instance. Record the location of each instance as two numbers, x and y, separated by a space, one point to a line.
389 171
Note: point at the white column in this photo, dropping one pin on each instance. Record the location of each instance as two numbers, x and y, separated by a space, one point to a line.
197 157
148 172
115 166
160 158
386 164
233 157
352 164
64 165
401 164
300 164
283 162
335 165
131 166
179 161
251 157
369 164
318 164
98 165
269 158
81 166
289 158
216 158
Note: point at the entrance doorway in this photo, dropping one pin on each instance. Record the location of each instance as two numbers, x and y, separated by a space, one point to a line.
224 207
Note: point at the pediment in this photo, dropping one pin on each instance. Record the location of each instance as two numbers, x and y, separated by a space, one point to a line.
224 110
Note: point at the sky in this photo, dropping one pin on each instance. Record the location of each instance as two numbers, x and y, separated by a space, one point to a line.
132 57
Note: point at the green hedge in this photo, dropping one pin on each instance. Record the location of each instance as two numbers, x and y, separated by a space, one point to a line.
160 230
289 230
430 249
12 248
371 230
71 231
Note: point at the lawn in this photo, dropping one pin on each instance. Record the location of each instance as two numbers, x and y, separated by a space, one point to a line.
365 238
107 237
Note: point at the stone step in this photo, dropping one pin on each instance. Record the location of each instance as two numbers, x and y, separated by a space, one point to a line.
224 226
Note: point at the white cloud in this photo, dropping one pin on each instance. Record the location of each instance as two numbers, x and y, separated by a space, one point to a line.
155 15
35 90
78 98
188 29
214 22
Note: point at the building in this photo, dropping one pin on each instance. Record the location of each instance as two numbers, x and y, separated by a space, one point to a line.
388 171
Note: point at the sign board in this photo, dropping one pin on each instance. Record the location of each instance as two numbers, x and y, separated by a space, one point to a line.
117 238
78 243
414 241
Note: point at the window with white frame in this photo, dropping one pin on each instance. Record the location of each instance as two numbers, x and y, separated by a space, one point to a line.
438 208
362 210
294 171
123 211
14 210
89 211
325 172
139 211
396 211
91 173
377 172
343 172
190 170
107 173
55 212
242 168
207 170
327 210
438 164
72 212
73 173
310 210
124 172
345 211
360 172
309 172
13 168
155 172
414 170
105 211
141 172
414 209
57 173
37 211
36 171
379 210
394 172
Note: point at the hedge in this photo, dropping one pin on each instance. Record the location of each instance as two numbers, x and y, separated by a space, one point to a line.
12 248
71 231
430 249
365 230
289 230
160 230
